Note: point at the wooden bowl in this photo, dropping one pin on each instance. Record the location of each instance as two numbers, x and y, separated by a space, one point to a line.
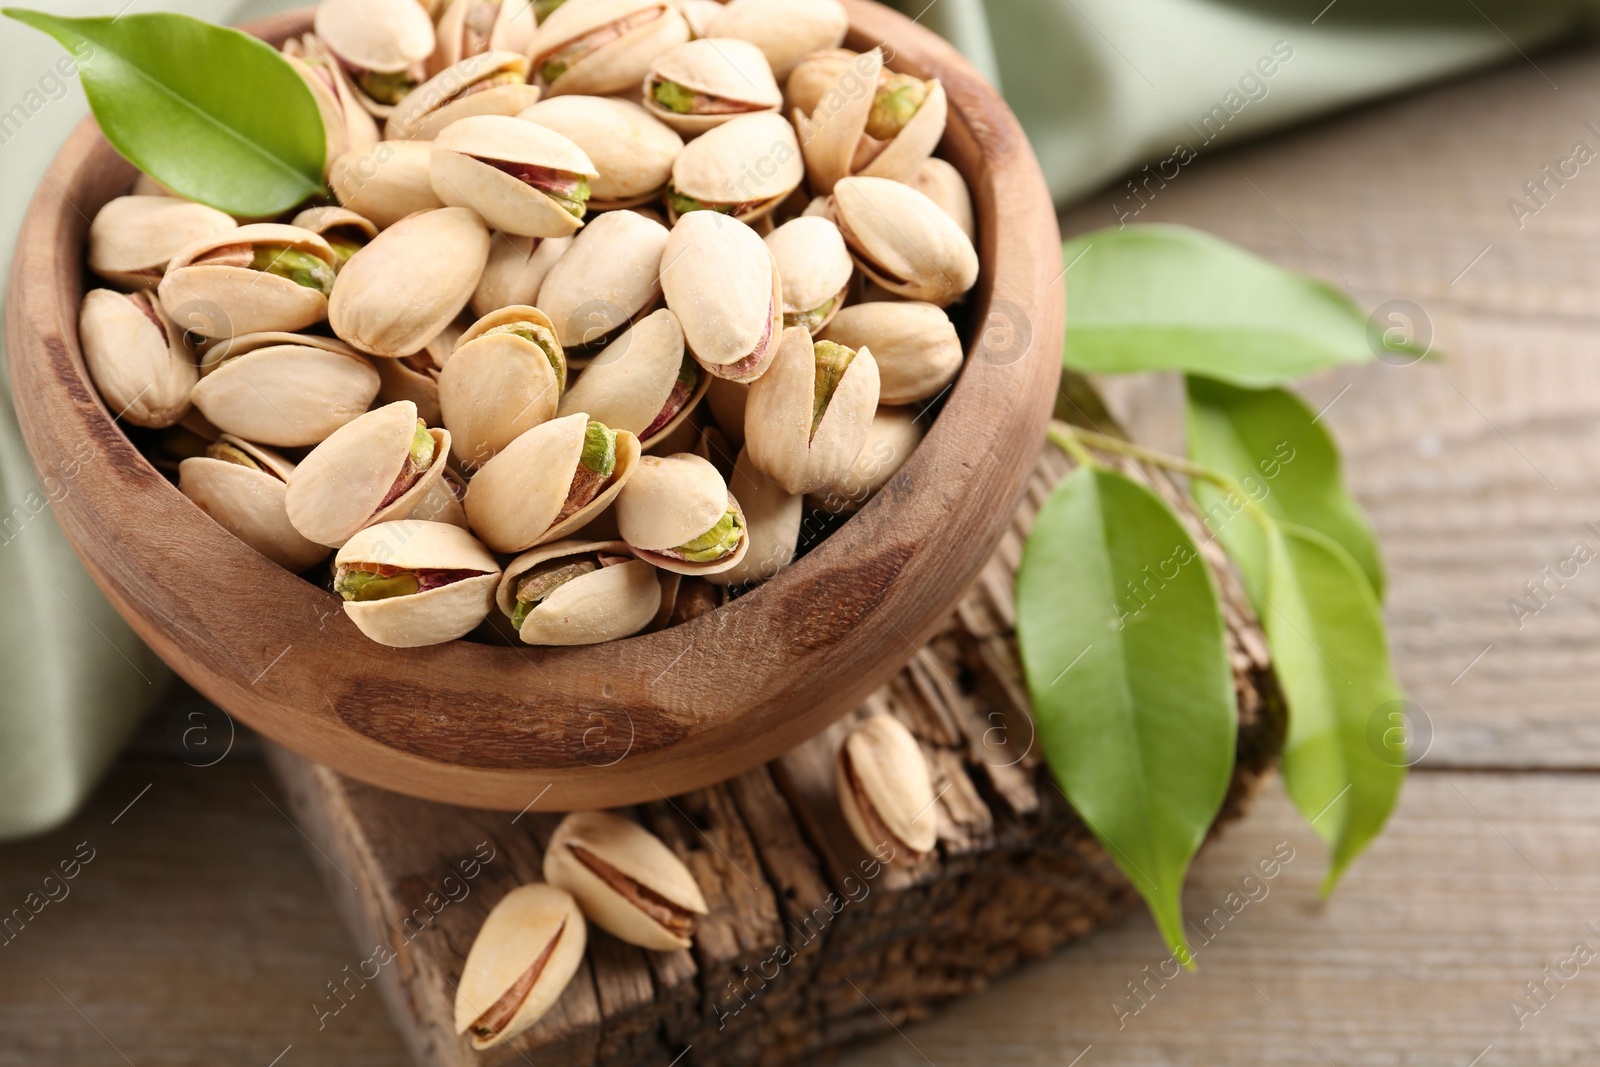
589 727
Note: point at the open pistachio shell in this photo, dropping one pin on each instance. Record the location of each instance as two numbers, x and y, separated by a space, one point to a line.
632 150
443 502
213 288
283 389
137 357
618 599
381 44
744 167
516 271
397 293
904 241
773 515
525 954
346 231
133 238
496 385
608 278
363 475
894 435
467 28
798 435
838 131
493 83
346 122
386 181
453 576
885 791
939 180
786 31
704 83
515 500
246 499
726 400
670 503
815 267
626 879
721 281
600 47
915 344
637 383
473 164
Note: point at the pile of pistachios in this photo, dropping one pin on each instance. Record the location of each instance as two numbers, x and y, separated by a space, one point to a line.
609 300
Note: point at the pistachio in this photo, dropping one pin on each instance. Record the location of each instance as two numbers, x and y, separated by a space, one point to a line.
414 378
283 389
525 954
885 791
784 30
346 123
676 512
685 598
505 376
491 83
242 486
886 133
381 44
626 880
643 382
521 177
915 344
386 181
609 278
133 238
815 267
442 503
894 435
578 592
904 241
397 293
550 481
704 83
745 167
137 357
808 416
468 28
516 271
721 281
372 469
258 277
345 231
773 516
727 400
939 180
897 99
408 583
632 150
600 47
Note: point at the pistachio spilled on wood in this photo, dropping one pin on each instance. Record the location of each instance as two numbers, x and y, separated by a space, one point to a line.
625 879
885 791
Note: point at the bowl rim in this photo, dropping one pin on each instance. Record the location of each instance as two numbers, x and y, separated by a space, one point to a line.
593 726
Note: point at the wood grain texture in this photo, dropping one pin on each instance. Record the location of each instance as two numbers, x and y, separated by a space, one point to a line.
696 703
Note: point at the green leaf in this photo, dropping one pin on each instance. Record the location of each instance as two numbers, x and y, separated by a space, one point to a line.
1325 630
1123 646
1154 298
1267 442
212 113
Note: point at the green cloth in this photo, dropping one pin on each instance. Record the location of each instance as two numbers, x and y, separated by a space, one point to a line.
1101 86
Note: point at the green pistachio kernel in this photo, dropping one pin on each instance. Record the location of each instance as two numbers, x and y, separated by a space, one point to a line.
422 447
832 361
674 97
539 583
231 454
386 88
538 335
689 371
576 203
365 585
682 204
599 449
715 542
552 69
543 8
299 267
809 319
898 98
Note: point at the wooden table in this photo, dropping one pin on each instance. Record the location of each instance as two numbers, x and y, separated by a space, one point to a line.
200 933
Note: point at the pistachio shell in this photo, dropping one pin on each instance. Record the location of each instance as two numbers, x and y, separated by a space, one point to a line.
894 435
133 238
603 605
628 384
632 150
516 271
216 300
618 63
817 74
443 502
463 32
670 501
885 791
900 157
496 386
641 866
773 516
815 267
785 30
721 281
248 503
519 931
462 178
834 132
458 92
137 357
608 278
386 181
915 345
514 500
284 389
751 162
397 293
942 183
325 220
345 121
432 616
378 35
904 241
340 486
778 419
404 379
727 399
731 75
